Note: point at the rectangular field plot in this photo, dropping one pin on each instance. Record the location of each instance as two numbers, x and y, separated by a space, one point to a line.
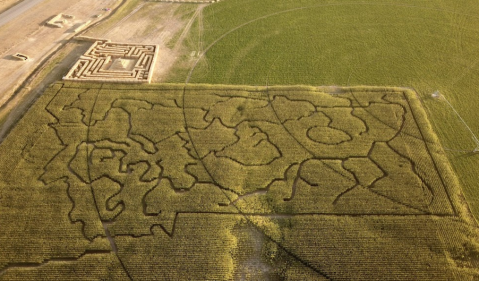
228 183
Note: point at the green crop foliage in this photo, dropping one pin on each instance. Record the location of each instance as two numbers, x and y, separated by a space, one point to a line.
173 182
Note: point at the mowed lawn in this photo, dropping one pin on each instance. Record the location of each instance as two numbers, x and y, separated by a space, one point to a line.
425 45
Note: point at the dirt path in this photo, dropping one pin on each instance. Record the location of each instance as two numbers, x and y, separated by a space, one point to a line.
187 28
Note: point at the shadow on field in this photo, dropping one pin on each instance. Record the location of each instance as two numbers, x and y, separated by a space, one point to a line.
10 58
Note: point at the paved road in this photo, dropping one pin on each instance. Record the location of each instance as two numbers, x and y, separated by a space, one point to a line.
17 10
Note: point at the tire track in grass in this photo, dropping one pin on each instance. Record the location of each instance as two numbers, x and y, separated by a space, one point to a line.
200 31
186 30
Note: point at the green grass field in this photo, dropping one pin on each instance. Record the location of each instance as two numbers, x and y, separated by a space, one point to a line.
203 182
425 45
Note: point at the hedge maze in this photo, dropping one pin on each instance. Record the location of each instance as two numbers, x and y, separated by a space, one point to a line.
222 183
115 62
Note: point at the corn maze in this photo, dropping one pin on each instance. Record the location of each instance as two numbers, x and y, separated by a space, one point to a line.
167 182
115 62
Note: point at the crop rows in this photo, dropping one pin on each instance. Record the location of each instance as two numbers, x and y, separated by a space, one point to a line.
229 182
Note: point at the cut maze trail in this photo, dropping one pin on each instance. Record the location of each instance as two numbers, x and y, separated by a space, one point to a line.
46 262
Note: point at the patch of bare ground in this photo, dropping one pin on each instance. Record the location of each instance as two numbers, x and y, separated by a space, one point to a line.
156 23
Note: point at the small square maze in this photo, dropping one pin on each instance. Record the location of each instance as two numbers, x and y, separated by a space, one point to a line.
115 62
